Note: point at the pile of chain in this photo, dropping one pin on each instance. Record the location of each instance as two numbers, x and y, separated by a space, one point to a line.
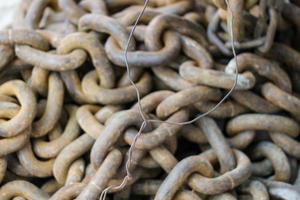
70 114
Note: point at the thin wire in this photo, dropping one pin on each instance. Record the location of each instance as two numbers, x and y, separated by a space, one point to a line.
128 176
